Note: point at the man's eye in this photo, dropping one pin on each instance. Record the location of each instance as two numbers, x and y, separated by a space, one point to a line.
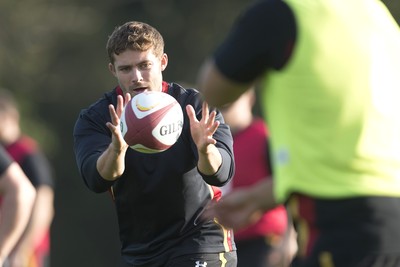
145 66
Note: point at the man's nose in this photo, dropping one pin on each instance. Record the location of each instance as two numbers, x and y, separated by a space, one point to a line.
136 75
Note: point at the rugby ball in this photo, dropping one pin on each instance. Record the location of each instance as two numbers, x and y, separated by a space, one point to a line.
151 122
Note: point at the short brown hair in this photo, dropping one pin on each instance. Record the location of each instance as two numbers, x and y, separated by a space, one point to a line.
137 36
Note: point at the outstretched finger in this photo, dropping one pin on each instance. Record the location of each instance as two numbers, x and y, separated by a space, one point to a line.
211 119
128 97
213 128
191 113
113 114
205 112
120 105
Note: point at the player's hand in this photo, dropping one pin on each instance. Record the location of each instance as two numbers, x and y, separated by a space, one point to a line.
235 210
114 126
19 259
202 131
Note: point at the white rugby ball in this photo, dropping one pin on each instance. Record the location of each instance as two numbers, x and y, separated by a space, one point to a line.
151 122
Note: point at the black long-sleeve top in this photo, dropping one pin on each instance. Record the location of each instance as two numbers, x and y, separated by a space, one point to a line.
159 197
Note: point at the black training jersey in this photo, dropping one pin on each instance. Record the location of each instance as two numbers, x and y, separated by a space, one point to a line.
5 160
26 153
160 197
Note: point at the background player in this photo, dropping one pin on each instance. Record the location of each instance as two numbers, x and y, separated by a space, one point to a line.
33 248
16 196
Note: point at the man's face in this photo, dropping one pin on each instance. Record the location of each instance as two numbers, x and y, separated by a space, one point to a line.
138 71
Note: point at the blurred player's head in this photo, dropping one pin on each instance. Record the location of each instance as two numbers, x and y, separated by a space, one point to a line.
9 117
239 114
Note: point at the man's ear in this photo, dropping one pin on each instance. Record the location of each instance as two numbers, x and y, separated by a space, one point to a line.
111 68
164 61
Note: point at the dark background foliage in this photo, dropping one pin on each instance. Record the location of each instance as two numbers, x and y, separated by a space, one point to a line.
53 58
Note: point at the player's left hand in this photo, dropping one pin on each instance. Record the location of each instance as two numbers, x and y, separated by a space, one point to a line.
202 131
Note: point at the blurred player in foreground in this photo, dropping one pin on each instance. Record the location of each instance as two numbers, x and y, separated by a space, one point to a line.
271 240
33 248
329 75
16 196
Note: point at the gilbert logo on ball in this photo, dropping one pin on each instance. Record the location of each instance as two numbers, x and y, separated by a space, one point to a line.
151 122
